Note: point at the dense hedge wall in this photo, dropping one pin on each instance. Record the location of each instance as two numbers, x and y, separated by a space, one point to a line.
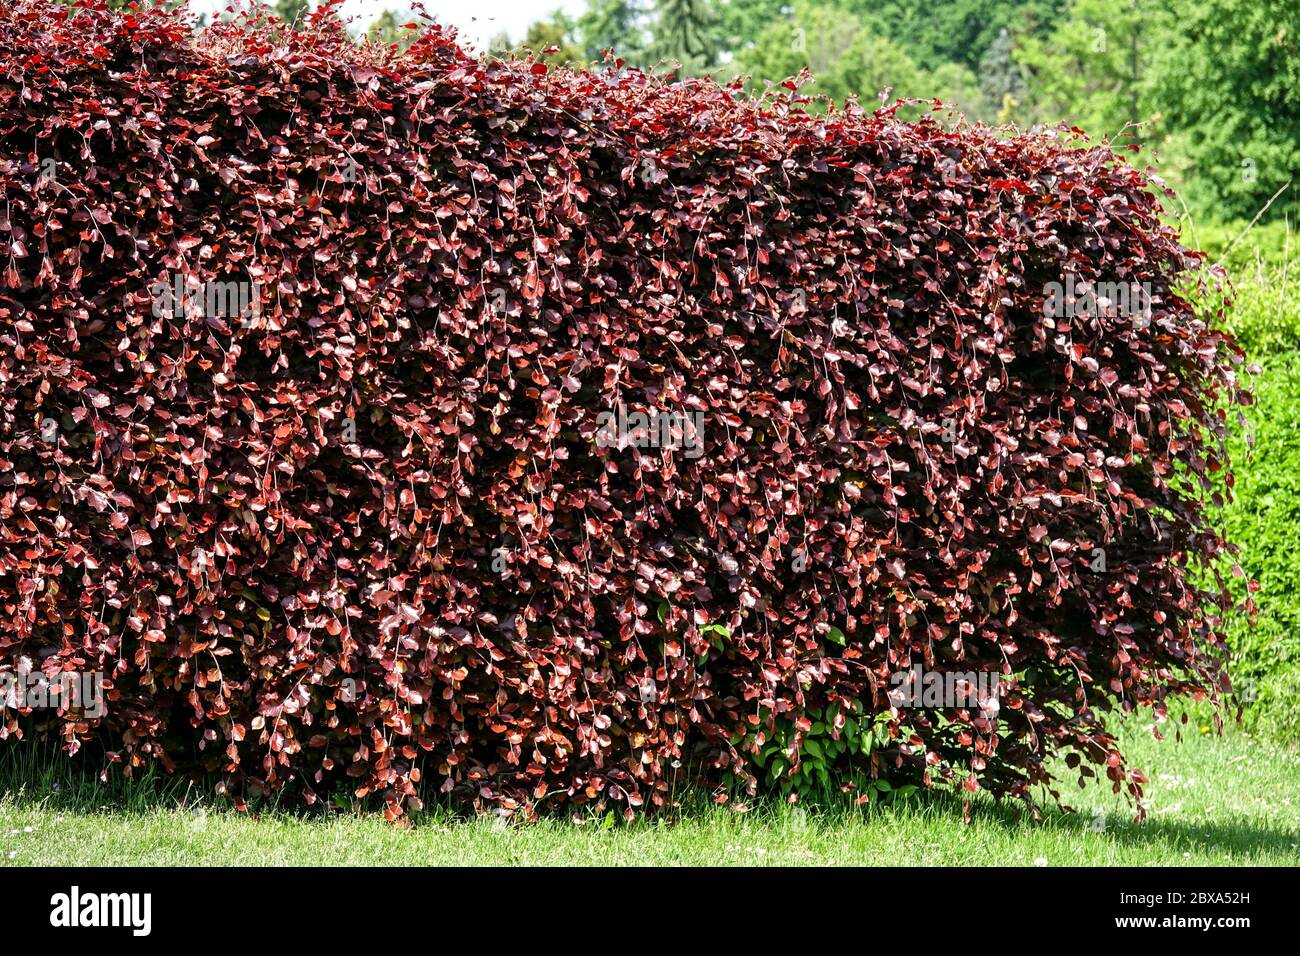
1263 314
381 531
1265 520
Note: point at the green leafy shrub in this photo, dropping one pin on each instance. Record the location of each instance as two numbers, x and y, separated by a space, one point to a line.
1245 250
1265 313
1265 522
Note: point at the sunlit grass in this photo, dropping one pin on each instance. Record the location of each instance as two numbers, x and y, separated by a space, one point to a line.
1231 800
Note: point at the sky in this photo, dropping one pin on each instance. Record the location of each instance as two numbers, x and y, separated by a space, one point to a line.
477 21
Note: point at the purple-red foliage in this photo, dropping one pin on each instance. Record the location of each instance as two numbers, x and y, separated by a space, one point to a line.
280 536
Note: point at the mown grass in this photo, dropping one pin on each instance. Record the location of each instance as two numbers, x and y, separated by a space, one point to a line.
1230 800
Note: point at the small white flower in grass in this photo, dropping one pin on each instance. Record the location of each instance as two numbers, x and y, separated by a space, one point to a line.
12 854
1040 861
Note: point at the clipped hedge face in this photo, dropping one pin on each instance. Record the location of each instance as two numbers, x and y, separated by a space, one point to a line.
423 424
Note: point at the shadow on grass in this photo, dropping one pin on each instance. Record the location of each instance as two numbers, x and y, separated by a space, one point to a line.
1236 835
44 778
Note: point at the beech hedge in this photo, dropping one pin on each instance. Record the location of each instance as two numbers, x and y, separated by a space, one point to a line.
586 435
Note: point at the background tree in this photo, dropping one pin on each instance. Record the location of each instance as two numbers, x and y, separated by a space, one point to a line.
954 31
1095 67
1002 79
390 27
291 11
688 32
846 57
613 24
741 22
1228 80
558 32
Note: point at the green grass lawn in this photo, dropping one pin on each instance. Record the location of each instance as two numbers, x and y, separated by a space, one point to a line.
1230 800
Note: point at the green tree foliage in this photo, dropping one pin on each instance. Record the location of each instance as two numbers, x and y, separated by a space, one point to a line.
1229 81
954 31
618 25
291 11
956 85
741 21
557 34
1095 68
688 32
1002 79
389 27
846 57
